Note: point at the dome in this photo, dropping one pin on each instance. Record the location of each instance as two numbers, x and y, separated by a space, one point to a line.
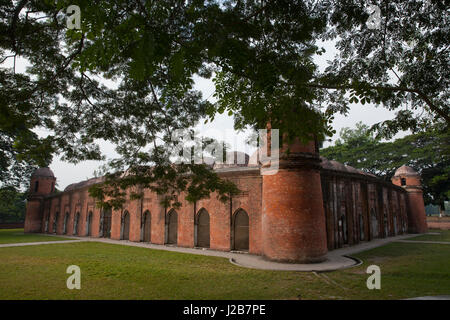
85 183
405 171
234 159
43 172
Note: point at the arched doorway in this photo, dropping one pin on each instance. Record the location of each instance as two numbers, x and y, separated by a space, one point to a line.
126 226
202 229
55 222
373 224
147 227
66 219
105 224
47 222
385 222
172 227
240 231
89 224
75 223
361 227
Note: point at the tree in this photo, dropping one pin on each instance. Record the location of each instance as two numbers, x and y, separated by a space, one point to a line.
12 205
427 152
259 54
401 62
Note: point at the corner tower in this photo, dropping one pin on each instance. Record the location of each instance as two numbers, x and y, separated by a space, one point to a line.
409 179
293 219
42 183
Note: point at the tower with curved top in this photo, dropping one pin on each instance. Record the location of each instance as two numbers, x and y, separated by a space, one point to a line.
42 184
409 179
293 220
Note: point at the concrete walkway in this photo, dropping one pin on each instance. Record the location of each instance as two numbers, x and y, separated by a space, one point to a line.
21 244
420 241
335 260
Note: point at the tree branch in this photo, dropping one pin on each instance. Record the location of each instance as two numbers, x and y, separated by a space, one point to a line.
423 96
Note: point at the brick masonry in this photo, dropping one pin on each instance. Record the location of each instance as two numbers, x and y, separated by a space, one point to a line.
308 207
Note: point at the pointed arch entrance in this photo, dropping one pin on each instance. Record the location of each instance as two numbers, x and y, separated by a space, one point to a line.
125 226
55 222
75 223
172 227
47 222
105 224
240 230
89 224
202 229
147 227
373 224
66 219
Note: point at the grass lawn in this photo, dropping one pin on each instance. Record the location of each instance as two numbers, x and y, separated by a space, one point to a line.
444 235
110 271
17 236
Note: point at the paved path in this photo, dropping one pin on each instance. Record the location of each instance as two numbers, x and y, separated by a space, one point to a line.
420 241
21 244
431 298
335 260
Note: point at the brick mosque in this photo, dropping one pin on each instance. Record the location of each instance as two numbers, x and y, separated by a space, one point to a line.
309 206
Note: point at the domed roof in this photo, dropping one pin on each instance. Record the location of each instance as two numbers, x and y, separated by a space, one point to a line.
43 172
85 183
234 159
405 171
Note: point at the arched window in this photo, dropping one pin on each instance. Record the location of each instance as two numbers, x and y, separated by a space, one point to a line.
146 226
125 226
172 227
240 230
202 229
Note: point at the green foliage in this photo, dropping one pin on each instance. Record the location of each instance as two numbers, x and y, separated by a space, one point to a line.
259 53
12 205
427 152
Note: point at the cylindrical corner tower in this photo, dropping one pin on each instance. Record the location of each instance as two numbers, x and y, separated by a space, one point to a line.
42 183
293 220
409 179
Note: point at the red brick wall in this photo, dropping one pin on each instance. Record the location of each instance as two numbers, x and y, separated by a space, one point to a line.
293 216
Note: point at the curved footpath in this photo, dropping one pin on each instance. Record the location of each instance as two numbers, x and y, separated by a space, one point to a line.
336 259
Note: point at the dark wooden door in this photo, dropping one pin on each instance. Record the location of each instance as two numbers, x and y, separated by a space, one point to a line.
203 229
241 231
172 228
126 226
147 226
107 224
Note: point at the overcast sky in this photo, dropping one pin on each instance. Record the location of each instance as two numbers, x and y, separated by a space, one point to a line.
221 128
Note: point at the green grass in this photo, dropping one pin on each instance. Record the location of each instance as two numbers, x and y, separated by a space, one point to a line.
110 271
444 235
17 236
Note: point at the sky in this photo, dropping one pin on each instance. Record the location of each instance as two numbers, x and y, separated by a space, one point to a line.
221 128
